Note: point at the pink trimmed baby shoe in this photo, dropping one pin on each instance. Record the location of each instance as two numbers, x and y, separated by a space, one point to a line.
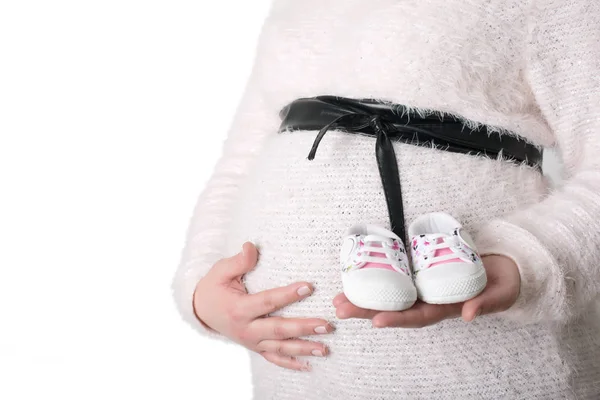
445 262
375 270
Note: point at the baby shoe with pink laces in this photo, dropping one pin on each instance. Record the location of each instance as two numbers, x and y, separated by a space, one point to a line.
375 270
445 262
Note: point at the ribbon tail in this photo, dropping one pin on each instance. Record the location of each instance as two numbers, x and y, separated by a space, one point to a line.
390 179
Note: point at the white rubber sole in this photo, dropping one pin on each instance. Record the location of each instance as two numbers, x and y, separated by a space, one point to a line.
381 306
451 291
379 290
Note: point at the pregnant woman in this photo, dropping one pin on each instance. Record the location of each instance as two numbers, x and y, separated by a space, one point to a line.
521 71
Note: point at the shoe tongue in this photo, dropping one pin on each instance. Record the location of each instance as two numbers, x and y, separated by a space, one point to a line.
376 254
440 252
433 239
375 245
443 251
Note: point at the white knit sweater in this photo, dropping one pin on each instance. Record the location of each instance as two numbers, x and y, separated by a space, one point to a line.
531 67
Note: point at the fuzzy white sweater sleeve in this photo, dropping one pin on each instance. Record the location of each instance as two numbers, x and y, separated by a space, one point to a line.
208 229
556 243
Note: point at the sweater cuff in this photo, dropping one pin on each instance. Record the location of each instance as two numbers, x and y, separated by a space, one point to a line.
184 286
542 295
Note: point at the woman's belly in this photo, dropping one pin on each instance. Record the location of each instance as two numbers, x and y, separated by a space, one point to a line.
296 211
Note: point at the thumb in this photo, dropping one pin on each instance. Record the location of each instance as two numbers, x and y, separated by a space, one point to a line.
233 267
491 300
472 309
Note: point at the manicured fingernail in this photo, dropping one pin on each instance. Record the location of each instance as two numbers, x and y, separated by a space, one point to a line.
377 325
321 329
477 314
304 291
317 353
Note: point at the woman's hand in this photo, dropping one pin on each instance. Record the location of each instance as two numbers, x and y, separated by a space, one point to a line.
501 292
222 304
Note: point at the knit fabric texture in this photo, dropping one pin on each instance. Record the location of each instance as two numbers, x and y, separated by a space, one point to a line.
530 68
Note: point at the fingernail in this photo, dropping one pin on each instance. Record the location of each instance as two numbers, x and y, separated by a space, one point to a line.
477 314
243 249
306 367
317 353
303 291
321 329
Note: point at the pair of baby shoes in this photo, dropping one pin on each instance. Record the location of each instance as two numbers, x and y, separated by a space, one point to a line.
377 275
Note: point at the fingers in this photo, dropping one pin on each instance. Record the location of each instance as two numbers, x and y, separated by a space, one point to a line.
293 348
233 267
269 301
286 362
283 352
339 299
345 309
501 292
419 316
287 328
495 298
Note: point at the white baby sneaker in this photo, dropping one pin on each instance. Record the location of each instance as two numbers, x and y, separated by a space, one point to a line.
445 262
375 270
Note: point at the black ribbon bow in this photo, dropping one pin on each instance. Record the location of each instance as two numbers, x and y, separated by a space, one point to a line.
386 160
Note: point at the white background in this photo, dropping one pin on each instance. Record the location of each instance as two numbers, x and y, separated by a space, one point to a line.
112 115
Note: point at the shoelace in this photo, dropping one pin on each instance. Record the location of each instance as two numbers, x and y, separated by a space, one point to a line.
380 245
440 242
386 160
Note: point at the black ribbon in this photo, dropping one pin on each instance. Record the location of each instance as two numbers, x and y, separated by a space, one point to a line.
386 160
388 122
